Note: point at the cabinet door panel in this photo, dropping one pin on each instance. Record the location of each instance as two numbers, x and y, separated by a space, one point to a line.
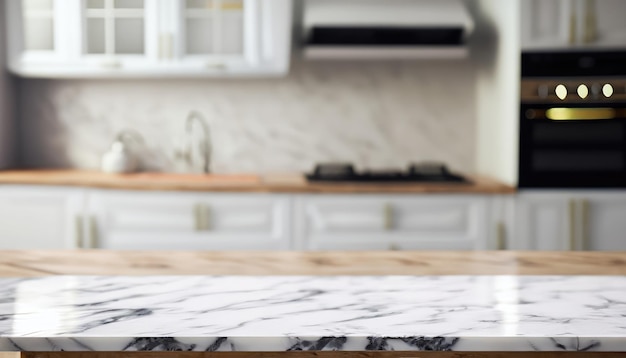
605 223
129 36
357 222
256 218
139 218
353 216
442 217
38 218
436 223
198 34
95 36
544 222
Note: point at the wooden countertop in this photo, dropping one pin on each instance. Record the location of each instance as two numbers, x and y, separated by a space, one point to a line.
102 262
291 183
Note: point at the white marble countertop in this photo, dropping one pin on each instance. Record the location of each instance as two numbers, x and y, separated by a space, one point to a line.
280 313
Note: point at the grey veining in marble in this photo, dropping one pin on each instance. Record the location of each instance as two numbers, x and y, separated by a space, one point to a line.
377 115
280 313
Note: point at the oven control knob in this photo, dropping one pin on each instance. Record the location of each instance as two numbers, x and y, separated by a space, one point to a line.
582 91
607 90
542 91
561 91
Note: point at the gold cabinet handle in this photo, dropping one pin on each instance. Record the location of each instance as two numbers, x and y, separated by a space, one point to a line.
388 216
571 206
501 236
573 27
93 232
202 217
206 216
78 227
584 219
197 217
590 25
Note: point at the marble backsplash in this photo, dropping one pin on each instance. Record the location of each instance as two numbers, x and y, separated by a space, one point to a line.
376 115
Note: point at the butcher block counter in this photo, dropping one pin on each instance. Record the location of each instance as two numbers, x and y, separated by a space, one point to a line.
277 183
335 304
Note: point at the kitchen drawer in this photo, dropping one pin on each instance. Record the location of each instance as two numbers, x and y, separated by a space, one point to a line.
375 222
137 220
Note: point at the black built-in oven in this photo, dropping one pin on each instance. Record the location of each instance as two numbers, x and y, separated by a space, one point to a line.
573 120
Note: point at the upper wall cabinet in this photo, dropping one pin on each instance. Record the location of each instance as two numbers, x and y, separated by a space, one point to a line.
573 24
148 38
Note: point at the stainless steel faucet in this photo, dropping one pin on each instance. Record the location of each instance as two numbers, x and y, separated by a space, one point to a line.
205 142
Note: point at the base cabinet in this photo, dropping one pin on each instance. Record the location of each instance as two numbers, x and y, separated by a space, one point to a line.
577 220
40 217
393 222
34 218
125 220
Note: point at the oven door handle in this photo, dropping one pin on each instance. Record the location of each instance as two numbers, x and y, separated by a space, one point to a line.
576 114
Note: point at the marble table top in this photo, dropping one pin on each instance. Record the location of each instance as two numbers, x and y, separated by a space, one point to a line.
281 313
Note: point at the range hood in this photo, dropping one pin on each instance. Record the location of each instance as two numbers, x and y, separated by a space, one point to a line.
386 29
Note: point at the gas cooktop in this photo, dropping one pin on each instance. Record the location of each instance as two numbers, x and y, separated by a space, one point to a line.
420 172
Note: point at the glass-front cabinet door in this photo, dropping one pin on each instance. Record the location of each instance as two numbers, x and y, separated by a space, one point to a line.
149 38
118 33
213 35
37 35
213 28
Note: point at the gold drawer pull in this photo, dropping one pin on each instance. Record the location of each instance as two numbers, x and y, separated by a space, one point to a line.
93 232
202 217
572 224
388 216
78 222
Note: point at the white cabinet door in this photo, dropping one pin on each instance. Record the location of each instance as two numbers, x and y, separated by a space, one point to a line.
603 221
185 221
573 24
545 220
35 35
227 37
373 222
40 218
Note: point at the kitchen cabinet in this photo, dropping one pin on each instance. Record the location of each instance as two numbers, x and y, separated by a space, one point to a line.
40 218
187 221
580 220
394 222
573 24
139 38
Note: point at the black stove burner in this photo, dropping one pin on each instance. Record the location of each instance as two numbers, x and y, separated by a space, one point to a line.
421 172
